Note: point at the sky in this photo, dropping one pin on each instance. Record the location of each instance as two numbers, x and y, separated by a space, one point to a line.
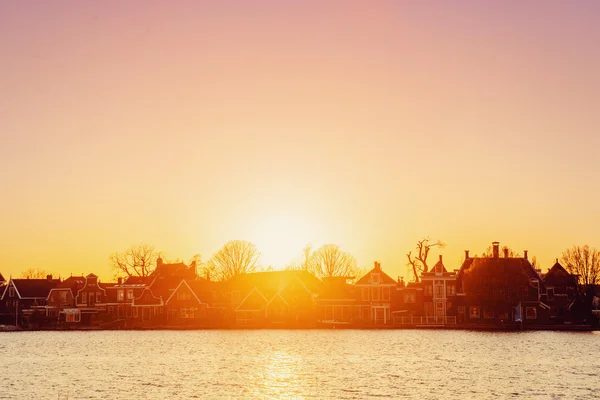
368 124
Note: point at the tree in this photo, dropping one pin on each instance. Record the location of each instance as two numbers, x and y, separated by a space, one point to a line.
489 252
35 273
234 258
305 262
138 260
330 260
584 263
418 263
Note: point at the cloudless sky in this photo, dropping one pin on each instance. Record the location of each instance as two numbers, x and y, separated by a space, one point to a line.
368 124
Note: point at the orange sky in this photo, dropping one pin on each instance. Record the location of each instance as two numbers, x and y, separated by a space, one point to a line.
368 124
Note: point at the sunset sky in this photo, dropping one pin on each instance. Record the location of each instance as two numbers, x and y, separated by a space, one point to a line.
368 124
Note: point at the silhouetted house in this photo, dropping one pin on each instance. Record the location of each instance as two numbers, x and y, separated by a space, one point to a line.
277 298
559 295
498 291
91 300
120 296
178 269
407 302
439 294
336 302
23 300
374 296
2 281
61 305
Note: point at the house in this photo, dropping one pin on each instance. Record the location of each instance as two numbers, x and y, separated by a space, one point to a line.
439 293
498 291
91 300
374 296
120 296
407 303
24 300
559 296
61 304
336 302
276 298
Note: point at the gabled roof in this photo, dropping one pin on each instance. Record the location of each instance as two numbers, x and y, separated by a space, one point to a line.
383 277
2 278
72 283
557 275
246 307
30 288
438 268
182 284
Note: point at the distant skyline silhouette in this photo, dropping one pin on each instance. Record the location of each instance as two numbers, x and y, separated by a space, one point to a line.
368 125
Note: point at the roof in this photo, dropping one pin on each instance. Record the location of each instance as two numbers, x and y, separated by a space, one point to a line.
2 278
438 268
557 275
383 277
34 287
274 281
332 289
73 282
139 280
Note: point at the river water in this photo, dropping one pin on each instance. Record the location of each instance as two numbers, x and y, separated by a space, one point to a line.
321 364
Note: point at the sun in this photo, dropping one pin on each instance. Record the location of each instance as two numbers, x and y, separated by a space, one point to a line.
280 237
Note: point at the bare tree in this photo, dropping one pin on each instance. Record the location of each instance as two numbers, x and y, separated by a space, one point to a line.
138 260
234 258
418 263
330 260
35 273
584 263
489 252
305 261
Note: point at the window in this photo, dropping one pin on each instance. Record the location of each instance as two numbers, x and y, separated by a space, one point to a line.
531 313
11 291
375 277
376 293
364 294
428 290
451 289
98 297
91 298
84 297
129 294
72 315
488 314
439 290
474 312
386 293
120 295
409 297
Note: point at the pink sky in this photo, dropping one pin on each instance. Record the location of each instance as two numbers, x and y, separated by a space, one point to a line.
368 124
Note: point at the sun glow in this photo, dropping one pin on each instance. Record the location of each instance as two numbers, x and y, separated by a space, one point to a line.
281 237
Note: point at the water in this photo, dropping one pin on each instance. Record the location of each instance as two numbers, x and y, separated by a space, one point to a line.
337 364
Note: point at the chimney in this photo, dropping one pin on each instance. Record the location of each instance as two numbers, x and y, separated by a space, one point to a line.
440 258
525 254
466 254
377 266
496 247
159 262
505 250
49 278
120 281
